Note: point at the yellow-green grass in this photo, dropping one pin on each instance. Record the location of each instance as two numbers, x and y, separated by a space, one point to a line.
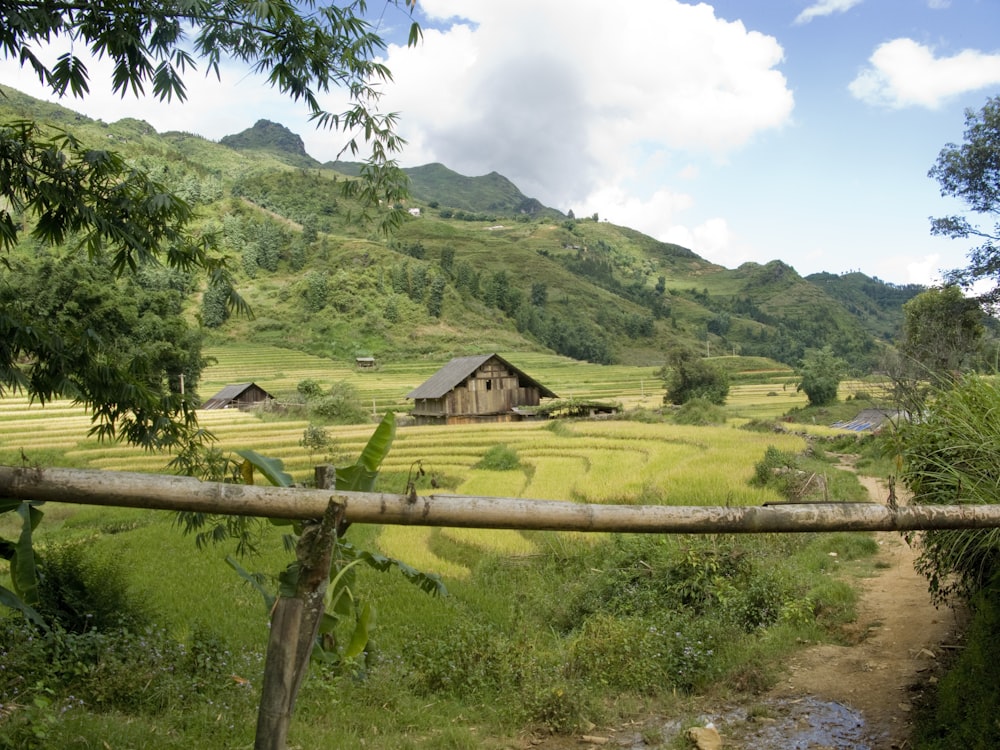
587 461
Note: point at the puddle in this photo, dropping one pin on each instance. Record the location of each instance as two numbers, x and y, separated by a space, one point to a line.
799 724
805 723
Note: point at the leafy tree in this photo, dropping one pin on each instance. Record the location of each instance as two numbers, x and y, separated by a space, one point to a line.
942 331
119 345
315 439
688 376
447 260
435 300
316 292
539 293
971 173
59 191
820 373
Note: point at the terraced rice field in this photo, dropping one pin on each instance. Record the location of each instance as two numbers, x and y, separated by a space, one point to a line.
585 461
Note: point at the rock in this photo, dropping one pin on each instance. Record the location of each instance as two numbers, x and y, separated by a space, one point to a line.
705 738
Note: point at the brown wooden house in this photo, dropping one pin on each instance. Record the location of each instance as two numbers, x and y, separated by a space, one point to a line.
238 396
483 388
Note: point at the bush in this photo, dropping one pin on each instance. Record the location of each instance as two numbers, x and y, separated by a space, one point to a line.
700 411
500 458
340 404
78 592
643 654
472 658
967 699
950 457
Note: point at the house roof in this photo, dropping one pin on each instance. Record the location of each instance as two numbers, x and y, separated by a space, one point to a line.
229 394
456 371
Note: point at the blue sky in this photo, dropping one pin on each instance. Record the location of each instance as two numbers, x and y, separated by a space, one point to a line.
749 130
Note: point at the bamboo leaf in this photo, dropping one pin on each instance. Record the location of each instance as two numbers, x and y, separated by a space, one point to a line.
253 580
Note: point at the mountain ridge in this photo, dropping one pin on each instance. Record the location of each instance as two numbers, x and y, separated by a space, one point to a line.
480 262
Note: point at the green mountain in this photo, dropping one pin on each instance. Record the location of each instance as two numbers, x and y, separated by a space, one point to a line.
486 196
477 266
273 138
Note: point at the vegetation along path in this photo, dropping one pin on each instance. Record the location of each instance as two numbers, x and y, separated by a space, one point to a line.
858 696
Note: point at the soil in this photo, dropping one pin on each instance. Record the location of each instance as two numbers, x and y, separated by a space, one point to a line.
853 697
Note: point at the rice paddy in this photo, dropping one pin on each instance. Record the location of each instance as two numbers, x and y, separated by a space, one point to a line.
621 462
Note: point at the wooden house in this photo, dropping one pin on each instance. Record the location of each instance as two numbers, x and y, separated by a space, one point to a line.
238 396
483 388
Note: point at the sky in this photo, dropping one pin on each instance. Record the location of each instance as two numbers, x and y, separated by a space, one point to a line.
745 130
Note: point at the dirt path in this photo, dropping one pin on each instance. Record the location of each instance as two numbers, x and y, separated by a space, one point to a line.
900 636
857 697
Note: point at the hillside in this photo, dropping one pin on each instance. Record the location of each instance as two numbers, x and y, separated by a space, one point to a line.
480 265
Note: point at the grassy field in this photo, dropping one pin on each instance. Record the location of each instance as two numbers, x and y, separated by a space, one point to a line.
542 631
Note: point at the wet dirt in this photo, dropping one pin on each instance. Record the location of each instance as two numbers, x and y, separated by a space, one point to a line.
854 697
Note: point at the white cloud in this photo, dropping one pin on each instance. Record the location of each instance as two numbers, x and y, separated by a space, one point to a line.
564 101
825 8
904 73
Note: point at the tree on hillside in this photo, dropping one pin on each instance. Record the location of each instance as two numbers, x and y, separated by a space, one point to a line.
687 376
820 374
942 331
971 173
60 192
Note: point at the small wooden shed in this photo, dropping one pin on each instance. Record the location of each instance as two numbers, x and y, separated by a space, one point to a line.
238 396
481 388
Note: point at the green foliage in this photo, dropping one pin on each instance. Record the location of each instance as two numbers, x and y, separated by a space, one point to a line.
500 458
79 592
688 376
942 332
700 411
340 404
315 439
970 172
117 345
949 457
214 307
963 708
820 373
316 291
23 596
134 673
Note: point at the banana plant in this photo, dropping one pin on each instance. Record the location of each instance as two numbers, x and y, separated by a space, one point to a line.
342 603
23 593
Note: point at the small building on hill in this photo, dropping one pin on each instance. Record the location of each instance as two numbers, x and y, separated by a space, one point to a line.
238 396
482 388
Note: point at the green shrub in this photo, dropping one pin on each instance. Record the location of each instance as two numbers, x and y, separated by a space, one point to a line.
644 654
768 471
700 411
963 709
79 592
950 456
500 458
561 709
472 658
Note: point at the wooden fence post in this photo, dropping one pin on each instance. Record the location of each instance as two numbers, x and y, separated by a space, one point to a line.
295 622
